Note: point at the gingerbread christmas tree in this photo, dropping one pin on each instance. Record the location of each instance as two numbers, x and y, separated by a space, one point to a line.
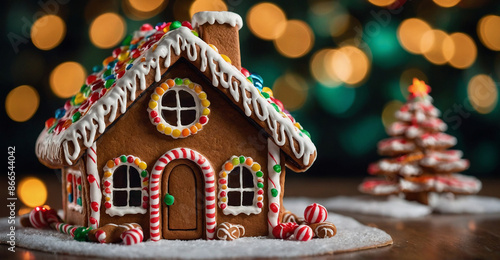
419 157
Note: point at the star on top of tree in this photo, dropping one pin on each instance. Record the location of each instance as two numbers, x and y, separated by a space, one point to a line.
419 88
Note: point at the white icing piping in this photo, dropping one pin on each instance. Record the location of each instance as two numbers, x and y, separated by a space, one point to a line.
178 40
94 184
273 181
230 18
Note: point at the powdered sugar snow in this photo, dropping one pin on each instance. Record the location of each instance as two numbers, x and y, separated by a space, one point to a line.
351 236
396 207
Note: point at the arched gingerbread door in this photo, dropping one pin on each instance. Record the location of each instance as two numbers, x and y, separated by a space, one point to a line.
182 201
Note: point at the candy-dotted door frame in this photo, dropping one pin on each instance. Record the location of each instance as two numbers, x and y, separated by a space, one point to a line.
154 190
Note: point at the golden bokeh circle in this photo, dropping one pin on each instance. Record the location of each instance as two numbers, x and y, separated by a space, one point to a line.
32 192
207 5
488 31
67 79
382 2
21 103
266 21
291 89
107 30
389 112
482 93
410 33
446 3
48 32
296 41
437 46
464 50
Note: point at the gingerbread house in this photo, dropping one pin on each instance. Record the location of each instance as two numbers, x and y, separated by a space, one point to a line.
173 134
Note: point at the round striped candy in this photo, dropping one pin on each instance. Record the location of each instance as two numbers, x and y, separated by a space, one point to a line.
284 230
37 218
132 236
303 233
315 213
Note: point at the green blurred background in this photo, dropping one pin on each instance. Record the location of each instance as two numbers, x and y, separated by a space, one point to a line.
340 66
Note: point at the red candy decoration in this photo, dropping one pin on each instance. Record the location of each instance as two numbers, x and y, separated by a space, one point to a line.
67 105
50 122
153 114
107 205
260 205
223 194
37 218
245 72
95 206
130 159
303 233
69 177
223 206
120 74
315 213
146 27
97 85
274 207
116 52
203 120
51 216
90 79
284 230
187 24
135 54
132 236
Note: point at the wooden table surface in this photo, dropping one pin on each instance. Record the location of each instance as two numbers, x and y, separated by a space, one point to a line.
436 236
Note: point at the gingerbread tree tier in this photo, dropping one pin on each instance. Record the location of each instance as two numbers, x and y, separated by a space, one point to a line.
419 160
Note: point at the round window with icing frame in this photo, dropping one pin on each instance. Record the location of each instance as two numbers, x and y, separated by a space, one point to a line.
241 186
125 186
179 108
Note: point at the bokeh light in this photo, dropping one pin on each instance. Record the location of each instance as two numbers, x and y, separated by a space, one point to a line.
48 32
389 112
291 89
482 93
32 192
407 77
446 3
67 78
207 5
464 50
296 41
382 2
139 9
434 49
266 21
410 33
487 29
21 103
385 48
107 30
336 101
318 68
349 64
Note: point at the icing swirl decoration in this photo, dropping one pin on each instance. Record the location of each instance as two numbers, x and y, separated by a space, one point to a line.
179 108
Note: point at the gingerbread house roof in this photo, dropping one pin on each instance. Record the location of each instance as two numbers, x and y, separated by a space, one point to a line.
144 57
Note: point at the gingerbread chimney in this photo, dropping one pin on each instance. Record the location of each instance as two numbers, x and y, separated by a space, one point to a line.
221 30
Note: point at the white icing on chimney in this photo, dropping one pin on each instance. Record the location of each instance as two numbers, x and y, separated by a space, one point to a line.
211 17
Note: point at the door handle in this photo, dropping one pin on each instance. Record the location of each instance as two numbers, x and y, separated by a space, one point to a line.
168 199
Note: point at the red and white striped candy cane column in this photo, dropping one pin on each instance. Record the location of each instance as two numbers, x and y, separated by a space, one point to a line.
273 183
95 190
155 193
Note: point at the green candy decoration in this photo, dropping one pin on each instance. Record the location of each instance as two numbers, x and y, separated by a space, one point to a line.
81 233
276 107
144 174
109 83
123 158
178 81
195 33
306 133
79 201
242 159
169 199
235 161
127 40
175 25
76 116
277 168
259 174
260 185
266 95
274 192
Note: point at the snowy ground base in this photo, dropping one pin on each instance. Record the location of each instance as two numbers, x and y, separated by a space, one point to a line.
351 236
397 207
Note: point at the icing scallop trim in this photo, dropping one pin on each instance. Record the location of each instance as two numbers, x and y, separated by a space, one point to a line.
211 17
